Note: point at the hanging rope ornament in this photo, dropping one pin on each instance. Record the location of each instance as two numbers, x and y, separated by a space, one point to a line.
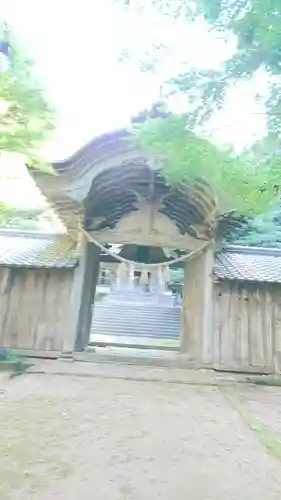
186 257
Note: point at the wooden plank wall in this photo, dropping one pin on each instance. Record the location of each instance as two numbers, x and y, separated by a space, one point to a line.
35 316
247 326
34 308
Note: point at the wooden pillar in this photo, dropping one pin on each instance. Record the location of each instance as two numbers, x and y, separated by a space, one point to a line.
197 308
90 281
82 298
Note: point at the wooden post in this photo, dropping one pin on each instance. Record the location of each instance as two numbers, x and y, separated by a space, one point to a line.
91 276
82 298
197 308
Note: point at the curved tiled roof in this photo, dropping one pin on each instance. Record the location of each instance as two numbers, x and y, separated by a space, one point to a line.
110 177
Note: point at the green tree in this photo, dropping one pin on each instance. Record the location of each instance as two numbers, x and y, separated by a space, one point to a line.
242 187
245 185
256 25
185 156
263 231
26 117
18 217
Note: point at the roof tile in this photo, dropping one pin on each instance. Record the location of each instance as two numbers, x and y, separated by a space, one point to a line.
249 264
37 251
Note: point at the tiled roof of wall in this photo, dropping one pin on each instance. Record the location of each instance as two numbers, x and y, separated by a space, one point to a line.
49 251
36 250
249 264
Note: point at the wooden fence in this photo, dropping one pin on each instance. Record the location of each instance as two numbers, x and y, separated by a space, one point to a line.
247 326
34 308
36 318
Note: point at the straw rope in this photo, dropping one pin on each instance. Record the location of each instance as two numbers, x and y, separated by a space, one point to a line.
186 257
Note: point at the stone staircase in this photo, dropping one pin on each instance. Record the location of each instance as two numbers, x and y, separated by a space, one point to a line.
131 314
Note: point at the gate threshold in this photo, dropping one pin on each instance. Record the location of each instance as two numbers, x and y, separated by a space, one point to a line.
134 356
134 342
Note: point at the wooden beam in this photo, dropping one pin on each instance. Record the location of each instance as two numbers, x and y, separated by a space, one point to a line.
197 308
135 229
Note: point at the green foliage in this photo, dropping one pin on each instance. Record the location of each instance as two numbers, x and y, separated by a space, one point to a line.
177 275
256 24
26 117
248 184
5 212
263 231
256 27
239 185
20 218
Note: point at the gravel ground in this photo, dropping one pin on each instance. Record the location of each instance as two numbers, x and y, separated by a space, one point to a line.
66 437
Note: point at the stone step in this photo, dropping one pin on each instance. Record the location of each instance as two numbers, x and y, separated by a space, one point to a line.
100 316
141 299
126 320
131 320
137 306
171 335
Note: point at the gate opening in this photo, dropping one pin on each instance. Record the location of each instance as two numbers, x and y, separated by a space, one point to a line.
137 306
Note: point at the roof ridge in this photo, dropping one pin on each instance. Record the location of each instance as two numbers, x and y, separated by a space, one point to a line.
272 251
18 233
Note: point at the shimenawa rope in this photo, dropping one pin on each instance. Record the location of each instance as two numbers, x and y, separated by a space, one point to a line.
187 256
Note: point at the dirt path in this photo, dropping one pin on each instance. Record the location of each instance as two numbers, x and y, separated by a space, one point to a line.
69 438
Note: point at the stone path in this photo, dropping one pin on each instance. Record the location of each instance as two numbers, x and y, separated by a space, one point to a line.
67 437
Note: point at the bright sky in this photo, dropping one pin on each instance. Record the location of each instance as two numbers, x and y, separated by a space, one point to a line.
76 47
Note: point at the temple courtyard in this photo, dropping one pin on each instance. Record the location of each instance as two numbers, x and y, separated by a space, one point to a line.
112 432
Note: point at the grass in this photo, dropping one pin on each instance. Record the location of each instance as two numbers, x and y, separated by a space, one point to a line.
269 380
264 434
13 363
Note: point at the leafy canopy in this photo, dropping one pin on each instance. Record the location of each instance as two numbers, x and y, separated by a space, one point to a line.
247 184
240 185
256 26
263 231
11 216
26 117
